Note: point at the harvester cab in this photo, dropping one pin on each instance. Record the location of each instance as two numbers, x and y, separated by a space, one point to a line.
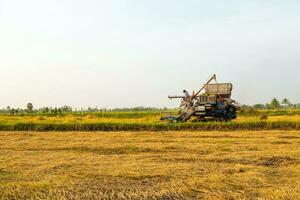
211 103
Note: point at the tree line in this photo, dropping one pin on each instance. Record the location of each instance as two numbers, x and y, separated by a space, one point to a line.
273 104
30 110
276 104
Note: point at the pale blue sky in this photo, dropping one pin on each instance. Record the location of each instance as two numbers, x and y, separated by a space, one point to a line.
117 53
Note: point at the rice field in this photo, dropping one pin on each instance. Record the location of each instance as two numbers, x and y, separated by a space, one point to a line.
116 119
150 165
141 122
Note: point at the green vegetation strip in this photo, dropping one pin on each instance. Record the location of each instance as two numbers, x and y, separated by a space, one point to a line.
218 126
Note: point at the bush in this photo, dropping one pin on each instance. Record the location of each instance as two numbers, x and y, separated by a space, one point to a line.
263 117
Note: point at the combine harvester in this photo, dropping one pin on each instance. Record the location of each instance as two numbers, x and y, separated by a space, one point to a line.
214 104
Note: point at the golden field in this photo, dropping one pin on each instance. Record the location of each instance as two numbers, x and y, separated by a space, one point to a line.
150 165
144 119
131 121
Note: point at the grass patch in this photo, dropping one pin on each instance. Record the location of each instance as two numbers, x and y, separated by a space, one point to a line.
107 126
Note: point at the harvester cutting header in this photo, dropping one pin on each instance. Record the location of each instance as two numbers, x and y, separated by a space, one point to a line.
212 102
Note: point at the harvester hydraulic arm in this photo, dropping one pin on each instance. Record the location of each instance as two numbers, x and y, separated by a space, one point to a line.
214 77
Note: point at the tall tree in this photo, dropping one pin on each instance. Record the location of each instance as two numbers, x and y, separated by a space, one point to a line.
285 102
275 103
29 107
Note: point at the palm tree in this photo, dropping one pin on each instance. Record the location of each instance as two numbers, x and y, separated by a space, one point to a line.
285 102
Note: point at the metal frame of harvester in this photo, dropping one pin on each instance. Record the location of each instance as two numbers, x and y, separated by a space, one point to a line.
214 104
